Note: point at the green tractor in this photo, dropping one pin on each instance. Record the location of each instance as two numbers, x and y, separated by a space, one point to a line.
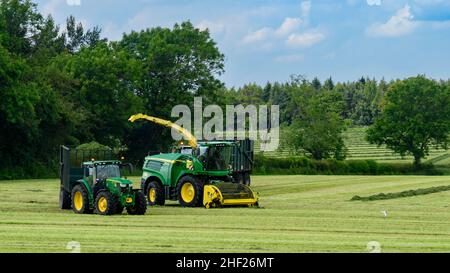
97 185
201 176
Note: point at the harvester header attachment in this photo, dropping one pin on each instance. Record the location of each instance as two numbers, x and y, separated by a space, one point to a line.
228 194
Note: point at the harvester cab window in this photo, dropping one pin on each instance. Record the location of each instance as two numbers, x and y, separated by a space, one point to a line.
215 158
202 153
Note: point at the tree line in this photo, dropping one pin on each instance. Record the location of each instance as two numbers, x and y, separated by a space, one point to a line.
408 116
68 85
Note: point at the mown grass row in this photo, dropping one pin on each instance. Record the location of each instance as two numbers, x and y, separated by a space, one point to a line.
394 195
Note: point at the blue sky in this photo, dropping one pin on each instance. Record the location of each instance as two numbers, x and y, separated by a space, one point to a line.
267 40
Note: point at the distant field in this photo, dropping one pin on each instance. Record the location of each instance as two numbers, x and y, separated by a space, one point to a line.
359 148
299 214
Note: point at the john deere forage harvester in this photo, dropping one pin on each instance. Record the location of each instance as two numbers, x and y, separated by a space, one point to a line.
202 176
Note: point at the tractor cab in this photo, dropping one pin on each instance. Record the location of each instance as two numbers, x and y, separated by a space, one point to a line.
100 171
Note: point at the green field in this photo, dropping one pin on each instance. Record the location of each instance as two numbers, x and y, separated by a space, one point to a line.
359 148
298 214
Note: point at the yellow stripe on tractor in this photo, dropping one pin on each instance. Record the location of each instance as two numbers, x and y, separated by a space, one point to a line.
230 195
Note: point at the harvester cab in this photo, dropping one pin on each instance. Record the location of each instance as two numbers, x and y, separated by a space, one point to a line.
202 174
97 185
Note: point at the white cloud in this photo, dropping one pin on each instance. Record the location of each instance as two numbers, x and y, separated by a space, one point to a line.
373 2
305 39
289 25
290 58
400 24
257 36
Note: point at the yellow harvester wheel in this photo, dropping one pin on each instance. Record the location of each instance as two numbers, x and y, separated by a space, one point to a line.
155 194
190 191
187 192
152 195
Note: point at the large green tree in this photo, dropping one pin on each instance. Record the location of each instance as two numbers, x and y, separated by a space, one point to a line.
177 64
318 128
415 117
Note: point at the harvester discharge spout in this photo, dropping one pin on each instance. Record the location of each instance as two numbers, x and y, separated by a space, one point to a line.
189 137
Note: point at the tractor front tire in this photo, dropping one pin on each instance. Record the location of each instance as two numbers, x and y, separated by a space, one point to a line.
140 204
155 194
80 200
190 191
65 201
106 203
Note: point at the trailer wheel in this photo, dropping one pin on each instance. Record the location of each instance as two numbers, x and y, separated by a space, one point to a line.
140 204
106 203
155 194
247 180
190 191
80 199
64 199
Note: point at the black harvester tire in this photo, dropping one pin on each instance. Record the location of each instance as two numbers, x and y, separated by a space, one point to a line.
160 198
65 202
140 204
111 203
84 197
247 180
197 199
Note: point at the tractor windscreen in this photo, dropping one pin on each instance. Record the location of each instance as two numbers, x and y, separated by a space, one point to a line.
215 158
108 171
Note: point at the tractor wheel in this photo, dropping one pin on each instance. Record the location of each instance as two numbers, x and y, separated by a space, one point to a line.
155 194
190 191
106 203
247 180
140 204
80 199
64 199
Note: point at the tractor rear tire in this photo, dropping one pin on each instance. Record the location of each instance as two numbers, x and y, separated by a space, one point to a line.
140 204
65 201
247 180
80 200
190 191
106 203
155 194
